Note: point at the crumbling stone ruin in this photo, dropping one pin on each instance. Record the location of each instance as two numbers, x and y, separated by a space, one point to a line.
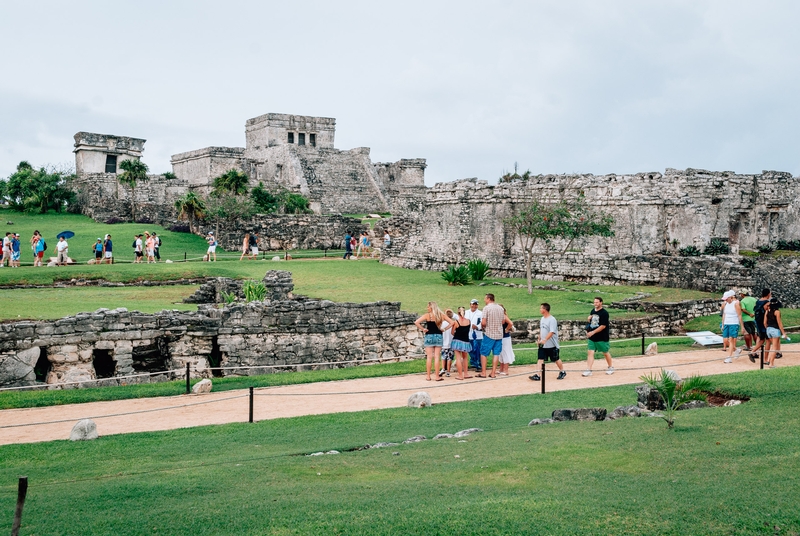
281 331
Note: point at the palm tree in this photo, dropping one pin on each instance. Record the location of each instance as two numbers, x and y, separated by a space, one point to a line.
190 207
133 171
232 181
676 393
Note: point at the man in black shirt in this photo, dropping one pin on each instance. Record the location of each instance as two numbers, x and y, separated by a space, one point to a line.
598 334
761 330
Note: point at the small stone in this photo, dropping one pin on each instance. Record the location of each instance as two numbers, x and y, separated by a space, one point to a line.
732 403
420 400
652 349
443 436
383 445
534 422
276 258
415 439
468 431
84 430
674 376
202 387
395 454
316 454
333 452
693 404
456 456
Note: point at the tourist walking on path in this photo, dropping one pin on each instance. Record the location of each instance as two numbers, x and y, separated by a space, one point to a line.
599 337
5 257
137 249
447 339
38 248
245 246
63 251
15 253
549 348
212 246
474 315
108 249
150 247
492 343
461 344
156 246
433 319
774 326
348 249
507 354
761 329
731 323
748 306
254 246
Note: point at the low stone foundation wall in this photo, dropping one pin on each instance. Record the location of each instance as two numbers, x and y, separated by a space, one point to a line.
275 332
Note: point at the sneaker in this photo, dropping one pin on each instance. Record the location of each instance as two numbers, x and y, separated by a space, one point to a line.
737 353
747 349
728 360
535 377
610 370
778 355
441 373
752 358
587 373
562 375
447 374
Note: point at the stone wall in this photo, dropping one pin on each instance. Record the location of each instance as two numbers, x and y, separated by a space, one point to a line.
282 332
669 320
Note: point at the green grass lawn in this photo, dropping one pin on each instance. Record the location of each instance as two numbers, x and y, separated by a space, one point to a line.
721 471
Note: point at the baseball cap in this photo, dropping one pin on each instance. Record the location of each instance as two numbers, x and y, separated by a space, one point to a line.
729 294
473 301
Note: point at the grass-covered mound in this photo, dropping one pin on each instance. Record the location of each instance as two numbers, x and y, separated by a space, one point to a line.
721 471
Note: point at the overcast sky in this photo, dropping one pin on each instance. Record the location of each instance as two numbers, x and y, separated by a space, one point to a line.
559 86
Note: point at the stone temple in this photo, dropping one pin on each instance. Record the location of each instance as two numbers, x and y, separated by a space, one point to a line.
281 150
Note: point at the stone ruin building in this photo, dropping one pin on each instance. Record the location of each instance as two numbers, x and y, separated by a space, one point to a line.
283 331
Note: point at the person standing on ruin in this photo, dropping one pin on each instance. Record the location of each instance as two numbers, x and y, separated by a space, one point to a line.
599 337
245 246
549 347
492 343
474 315
387 240
731 323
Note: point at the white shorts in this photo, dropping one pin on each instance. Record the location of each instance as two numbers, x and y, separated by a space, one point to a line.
108 254
211 249
254 251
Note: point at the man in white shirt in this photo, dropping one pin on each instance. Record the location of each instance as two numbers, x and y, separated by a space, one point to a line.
5 254
548 342
475 316
62 248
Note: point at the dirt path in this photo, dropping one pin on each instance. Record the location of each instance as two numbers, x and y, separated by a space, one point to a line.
166 413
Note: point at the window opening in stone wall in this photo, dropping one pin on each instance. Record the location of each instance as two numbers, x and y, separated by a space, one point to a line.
215 358
291 137
42 366
152 357
104 364
301 138
312 140
111 163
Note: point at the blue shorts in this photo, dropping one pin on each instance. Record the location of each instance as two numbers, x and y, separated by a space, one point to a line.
773 333
433 339
491 346
730 331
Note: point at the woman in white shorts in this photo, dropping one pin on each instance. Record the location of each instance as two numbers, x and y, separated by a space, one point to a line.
212 246
507 354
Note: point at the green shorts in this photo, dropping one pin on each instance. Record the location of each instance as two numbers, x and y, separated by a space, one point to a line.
600 346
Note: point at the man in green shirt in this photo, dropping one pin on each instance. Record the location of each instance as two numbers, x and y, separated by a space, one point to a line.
748 305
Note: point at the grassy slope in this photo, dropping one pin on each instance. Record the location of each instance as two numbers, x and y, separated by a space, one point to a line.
722 471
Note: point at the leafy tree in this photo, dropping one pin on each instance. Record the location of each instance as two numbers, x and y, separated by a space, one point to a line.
169 175
265 201
37 190
546 221
133 172
232 181
190 207
676 393
294 203
229 207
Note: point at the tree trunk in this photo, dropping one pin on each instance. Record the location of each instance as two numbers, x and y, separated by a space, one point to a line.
133 203
528 262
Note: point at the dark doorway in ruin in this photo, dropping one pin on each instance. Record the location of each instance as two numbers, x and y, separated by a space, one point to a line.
290 137
152 357
215 359
104 364
312 140
42 366
301 138
111 163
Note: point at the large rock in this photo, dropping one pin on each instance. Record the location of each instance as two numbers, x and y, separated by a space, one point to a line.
202 387
468 431
84 430
693 404
580 414
652 349
17 369
420 400
649 397
625 411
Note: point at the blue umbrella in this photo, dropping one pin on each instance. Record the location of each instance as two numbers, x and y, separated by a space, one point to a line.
66 234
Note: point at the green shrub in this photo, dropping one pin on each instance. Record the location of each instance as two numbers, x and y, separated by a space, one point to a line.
254 290
675 393
748 262
265 201
766 250
788 245
689 251
717 247
456 276
478 269
169 176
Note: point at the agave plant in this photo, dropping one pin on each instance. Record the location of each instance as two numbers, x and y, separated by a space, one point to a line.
676 393
456 275
478 269
254 290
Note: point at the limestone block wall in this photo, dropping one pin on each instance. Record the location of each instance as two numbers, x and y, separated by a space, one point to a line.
283 332
199 167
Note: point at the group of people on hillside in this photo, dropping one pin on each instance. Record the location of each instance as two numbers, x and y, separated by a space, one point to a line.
11 252
362 245
470 336
760 321
145 245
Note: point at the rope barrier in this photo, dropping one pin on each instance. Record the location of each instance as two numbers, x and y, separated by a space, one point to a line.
50 386
125 413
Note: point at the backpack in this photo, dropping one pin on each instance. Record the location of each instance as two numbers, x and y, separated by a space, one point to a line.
134 244
44 245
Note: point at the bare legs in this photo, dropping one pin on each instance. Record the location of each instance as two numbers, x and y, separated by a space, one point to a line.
433 355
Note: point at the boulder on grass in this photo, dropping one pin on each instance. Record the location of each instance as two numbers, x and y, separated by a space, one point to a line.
580 414
420 400
84 430
201 387
652 349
